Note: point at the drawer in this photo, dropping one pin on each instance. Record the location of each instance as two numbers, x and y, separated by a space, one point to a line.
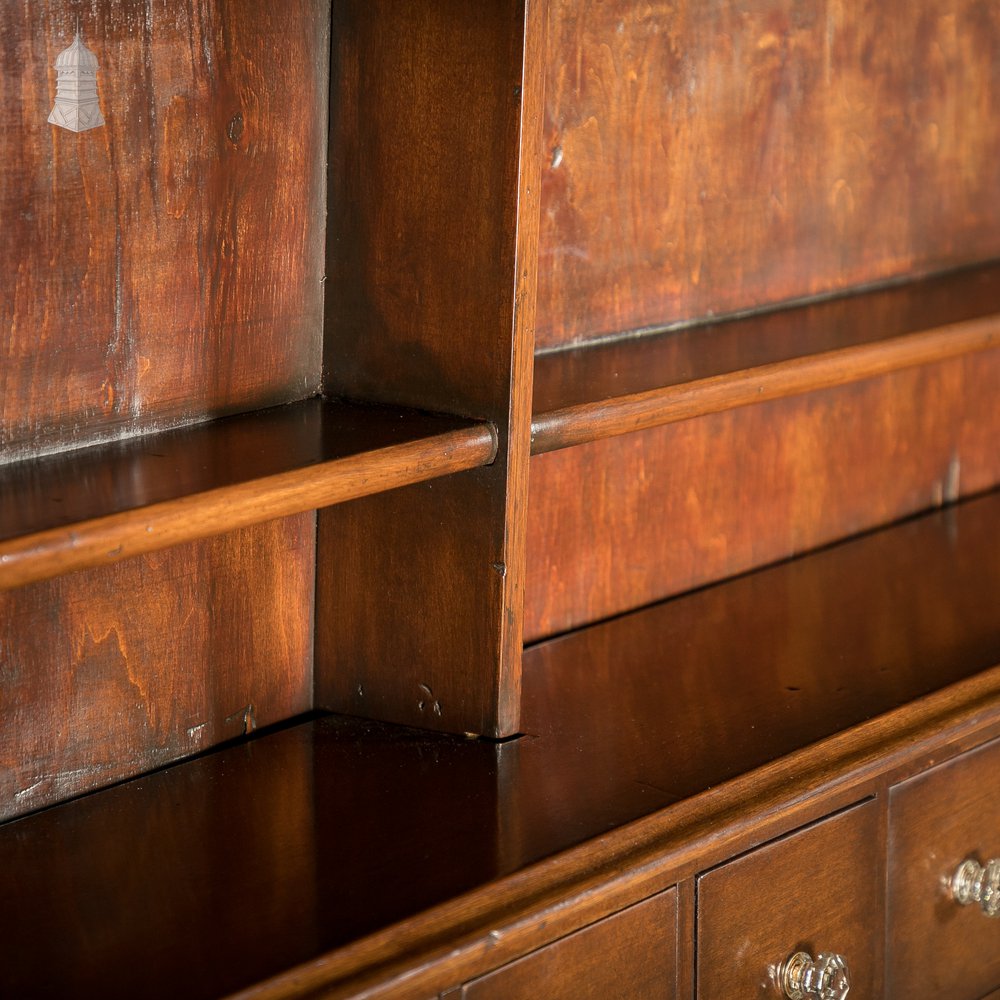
816 890
630 956
938 948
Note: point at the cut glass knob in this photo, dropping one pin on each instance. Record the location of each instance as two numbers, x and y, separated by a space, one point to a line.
826 977
976 883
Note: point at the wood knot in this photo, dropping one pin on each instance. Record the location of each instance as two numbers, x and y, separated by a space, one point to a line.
235 128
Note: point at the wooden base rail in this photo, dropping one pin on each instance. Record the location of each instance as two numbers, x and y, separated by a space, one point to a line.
98 505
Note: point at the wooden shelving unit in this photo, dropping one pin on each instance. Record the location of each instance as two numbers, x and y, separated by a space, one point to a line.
644 737
568 431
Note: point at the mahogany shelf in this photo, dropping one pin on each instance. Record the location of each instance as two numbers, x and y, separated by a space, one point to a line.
96 505
636 383
654 744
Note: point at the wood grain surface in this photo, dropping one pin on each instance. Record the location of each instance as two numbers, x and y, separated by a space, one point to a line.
166 266
629 955
631 365
939 949
710 157
821 889
110 672
434 190
643 382
98 505
397 863
655 706
675 507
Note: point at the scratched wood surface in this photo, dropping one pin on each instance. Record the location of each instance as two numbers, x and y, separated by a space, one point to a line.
166 266
110 672
678 506
708 157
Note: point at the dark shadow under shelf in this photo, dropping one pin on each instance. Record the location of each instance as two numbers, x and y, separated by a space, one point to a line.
96 505
636 383
321 838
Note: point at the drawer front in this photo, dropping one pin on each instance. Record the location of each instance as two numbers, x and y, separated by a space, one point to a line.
938 948
817 890
629 956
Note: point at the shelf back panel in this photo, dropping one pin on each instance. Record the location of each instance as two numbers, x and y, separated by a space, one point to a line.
166 266
626 521
702 157
110 672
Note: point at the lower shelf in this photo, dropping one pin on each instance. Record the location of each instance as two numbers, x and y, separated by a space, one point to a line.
337 856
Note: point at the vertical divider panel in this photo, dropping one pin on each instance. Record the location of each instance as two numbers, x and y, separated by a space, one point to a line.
434 172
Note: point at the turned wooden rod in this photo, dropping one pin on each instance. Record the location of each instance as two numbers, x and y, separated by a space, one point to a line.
590 421
106 539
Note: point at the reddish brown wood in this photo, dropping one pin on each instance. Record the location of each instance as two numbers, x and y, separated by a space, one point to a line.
679 506
434 206
99 505
631 365
657 706
110 672
382 778
687 936
940 949
818 890
709 157
659 745
164 847
167 266
578 423
629 955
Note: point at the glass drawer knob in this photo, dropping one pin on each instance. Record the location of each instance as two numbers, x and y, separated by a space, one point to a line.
825 977
976 883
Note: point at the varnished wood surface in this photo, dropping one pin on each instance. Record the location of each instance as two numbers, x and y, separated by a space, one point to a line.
821 889
238 865
644 382
629 956
619 523
110 672
708 157
434 167
692 691
98 505
940 950
677 737
168 265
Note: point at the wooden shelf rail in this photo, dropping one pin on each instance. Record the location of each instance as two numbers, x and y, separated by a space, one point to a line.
98 505
635 384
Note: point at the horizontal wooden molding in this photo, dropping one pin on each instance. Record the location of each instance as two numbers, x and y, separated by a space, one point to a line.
590 421
158 491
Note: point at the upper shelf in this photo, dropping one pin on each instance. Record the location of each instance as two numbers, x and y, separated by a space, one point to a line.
104 503
641 382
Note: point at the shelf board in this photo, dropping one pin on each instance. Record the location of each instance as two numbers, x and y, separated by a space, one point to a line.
641 382
97 505
311 856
